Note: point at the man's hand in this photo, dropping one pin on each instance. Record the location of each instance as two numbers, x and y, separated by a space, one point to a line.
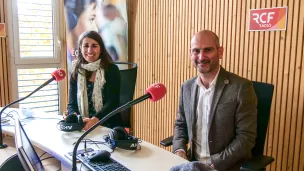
182 154
89 122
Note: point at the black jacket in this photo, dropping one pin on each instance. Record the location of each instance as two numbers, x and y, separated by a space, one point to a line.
111 97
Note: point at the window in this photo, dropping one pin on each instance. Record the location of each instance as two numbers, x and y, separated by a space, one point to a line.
35 46
47 98
35 21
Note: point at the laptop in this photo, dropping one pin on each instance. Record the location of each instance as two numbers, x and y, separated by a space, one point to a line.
25 150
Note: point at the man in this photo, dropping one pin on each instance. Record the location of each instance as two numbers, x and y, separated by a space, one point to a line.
217 112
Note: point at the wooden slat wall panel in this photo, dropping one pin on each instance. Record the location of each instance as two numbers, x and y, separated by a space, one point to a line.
159 34
4 60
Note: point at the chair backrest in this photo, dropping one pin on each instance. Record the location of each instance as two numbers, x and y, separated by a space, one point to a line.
264 94
128 74
12 163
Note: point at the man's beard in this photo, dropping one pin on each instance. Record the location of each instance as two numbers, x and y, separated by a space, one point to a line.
208 66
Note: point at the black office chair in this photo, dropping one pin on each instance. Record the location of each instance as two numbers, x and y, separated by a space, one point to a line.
128 74
12 163
259 161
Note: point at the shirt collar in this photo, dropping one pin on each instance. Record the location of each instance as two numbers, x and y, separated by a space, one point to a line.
213 82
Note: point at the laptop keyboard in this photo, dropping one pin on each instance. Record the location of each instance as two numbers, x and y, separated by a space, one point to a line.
111 165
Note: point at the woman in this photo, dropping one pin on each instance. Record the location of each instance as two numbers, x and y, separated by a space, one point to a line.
95 82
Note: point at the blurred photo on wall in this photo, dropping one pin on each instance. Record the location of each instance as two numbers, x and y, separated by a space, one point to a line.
107 17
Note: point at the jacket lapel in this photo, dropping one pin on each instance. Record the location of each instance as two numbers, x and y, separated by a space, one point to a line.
193 106
193 115
221 82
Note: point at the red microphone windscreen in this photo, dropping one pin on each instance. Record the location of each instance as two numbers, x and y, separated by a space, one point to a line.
58 74
157 91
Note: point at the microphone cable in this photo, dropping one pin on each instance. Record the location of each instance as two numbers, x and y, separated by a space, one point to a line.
97 143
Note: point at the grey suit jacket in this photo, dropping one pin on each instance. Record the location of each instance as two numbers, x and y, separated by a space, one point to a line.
232 120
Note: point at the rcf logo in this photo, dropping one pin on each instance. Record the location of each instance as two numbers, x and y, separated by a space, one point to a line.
263 19
268 19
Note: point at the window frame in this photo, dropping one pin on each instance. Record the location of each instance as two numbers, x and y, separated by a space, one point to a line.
26 63
57 40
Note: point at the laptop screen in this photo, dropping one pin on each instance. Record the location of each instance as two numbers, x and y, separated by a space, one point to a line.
26 153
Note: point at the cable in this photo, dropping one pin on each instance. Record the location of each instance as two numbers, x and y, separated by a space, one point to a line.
10 116
4 120
96 143
5 115
47 158
42 154
91 142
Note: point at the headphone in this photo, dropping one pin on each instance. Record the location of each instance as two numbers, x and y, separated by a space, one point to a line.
71 123
72 18
118 137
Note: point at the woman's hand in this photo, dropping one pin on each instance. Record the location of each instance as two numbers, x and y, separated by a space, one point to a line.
66 115
89 122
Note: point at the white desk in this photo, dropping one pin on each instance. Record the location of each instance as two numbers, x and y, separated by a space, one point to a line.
44 134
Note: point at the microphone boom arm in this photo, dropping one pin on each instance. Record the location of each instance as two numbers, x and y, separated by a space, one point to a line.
14 102
118 110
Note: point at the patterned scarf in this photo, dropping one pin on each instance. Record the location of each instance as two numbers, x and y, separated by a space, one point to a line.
82 97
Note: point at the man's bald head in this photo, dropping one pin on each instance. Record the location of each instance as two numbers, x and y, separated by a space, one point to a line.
206 52
203 34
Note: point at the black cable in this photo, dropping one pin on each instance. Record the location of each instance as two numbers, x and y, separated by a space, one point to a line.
42 154
91 142
47 158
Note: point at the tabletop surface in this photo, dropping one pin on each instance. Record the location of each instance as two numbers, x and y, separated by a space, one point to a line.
43 133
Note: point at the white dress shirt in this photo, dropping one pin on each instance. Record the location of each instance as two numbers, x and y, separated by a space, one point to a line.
201 151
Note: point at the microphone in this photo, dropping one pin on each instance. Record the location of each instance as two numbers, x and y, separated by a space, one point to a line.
57 75
154 92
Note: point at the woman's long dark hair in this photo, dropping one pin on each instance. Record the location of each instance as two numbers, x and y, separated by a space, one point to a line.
105 61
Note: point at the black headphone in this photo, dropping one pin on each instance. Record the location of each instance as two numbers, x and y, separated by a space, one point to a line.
71 123
72 18
118 137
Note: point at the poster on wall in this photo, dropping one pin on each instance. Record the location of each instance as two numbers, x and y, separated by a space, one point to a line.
107 17
268 19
